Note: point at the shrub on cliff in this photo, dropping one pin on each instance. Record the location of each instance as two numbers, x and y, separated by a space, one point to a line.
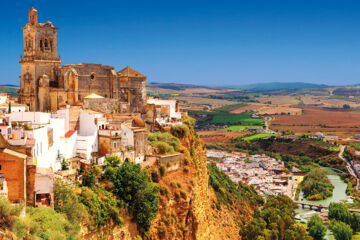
180 130
164 148
164 142
67 202
101 205
189 121
134 187
155 175
49 224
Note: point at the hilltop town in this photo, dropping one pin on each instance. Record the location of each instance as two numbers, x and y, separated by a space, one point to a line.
69 118
92 151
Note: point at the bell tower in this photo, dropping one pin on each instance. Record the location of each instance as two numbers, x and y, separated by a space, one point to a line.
33 16
38 62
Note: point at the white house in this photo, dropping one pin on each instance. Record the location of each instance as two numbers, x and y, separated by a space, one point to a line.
87 138
167 111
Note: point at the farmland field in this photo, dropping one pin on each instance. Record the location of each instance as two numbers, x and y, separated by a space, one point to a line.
356 145
280 99
314 120
218 136
258 136
260 108
240 127
242 119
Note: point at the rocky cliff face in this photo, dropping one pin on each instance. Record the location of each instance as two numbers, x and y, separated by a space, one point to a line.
195 216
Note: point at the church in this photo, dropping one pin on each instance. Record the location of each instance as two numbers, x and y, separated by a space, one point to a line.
47 86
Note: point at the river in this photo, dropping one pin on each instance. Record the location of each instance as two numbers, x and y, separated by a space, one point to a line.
339 194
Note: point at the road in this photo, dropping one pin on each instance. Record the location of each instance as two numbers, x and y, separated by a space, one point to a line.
267 121
350 167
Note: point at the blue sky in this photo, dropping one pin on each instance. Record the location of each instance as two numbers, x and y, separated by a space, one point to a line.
198 42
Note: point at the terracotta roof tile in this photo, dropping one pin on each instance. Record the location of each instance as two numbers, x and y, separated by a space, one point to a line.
69 133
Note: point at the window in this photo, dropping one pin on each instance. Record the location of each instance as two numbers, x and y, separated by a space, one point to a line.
0 167
115 144
46 43
41 43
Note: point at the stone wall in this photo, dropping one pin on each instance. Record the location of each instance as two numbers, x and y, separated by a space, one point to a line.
104 105
173 162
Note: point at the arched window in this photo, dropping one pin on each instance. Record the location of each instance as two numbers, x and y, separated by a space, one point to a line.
41 43
46 43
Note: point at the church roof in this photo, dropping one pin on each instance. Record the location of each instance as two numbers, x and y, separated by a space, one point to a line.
93 96
129 72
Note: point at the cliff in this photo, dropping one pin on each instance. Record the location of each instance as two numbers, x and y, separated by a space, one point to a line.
198 215
195 200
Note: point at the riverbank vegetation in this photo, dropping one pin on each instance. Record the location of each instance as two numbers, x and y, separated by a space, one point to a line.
316 185
275 221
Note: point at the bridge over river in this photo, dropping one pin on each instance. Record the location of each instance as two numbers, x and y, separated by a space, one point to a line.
319 207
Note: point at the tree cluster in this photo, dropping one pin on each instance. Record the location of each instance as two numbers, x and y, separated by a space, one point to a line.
316 228
135 189
275 221
316 185
343 222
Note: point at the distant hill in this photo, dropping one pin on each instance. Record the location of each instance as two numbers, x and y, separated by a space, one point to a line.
11 90
175 86
252 87
280 85
9 85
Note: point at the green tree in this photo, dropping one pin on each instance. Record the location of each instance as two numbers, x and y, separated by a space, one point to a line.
112 161
341 230
101 205
253 230
67 202
297 232
134 187
338 211
88 179
276 220
316 228
64 164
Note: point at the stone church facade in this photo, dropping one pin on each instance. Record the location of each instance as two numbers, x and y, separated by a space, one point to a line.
46 85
